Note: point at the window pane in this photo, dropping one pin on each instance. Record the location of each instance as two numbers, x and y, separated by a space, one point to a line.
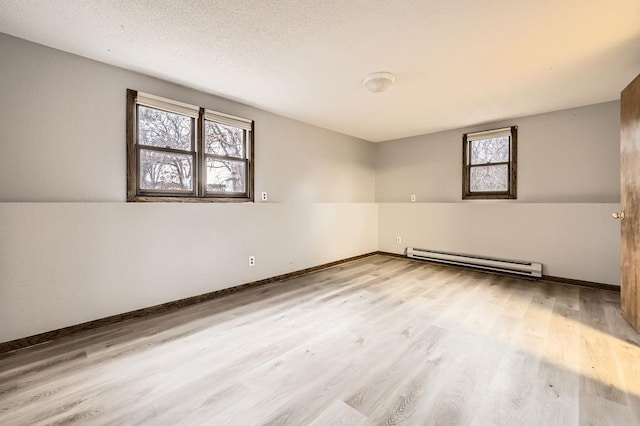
494 150
225 176
164 129
165 171
223 140
490 178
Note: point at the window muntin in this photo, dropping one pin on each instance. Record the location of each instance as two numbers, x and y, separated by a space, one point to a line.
180 151
489 164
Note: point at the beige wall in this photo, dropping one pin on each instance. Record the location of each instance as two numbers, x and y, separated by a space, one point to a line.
63 128
568 184
571 240
569 156
71 249
66 263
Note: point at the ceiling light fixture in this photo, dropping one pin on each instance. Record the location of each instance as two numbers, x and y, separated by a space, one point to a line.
378 82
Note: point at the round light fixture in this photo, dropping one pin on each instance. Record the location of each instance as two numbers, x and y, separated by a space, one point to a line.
378 82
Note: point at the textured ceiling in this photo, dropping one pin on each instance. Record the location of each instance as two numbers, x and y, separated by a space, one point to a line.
457 62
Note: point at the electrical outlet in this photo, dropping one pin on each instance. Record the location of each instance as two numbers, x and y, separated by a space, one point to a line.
413 198
264 196
252 261
398 240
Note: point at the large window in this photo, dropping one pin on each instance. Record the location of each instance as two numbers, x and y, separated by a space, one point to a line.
180 152
489 164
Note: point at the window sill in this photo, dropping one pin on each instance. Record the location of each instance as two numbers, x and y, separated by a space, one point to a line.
154 199
489 197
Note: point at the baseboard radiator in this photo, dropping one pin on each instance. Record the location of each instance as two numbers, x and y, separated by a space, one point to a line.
529 269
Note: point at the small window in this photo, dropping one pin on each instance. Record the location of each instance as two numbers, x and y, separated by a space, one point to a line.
180 152
489 164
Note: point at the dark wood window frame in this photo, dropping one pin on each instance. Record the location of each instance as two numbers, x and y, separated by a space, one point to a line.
511 192
199 193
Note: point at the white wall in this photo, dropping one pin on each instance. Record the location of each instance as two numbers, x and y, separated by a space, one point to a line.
72 250
568 185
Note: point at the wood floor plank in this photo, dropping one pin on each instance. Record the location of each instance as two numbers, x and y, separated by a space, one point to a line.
600 375
381 340
339 413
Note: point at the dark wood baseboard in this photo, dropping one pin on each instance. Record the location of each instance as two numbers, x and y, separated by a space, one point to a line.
386 253
569 281
17 344
580 283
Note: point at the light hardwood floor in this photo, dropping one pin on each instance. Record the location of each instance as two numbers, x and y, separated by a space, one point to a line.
380 340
